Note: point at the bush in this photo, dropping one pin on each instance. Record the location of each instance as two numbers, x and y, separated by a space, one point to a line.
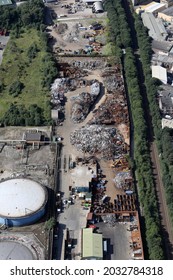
16 88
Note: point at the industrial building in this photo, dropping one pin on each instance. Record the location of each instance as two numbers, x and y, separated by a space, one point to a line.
166 14
165 48
97 7
168 3
153 7
27 202
5 2
156 28
91 2
166 100
160 73
92 245
162 59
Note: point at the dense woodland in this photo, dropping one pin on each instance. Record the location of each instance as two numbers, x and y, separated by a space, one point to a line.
120 34
21 22
29 14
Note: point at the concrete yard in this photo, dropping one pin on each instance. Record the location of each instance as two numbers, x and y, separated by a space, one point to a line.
74 216
34 164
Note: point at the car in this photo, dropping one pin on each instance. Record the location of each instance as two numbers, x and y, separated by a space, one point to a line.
65 201
70 200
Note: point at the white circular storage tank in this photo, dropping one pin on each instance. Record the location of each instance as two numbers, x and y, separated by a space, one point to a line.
22 202
10 250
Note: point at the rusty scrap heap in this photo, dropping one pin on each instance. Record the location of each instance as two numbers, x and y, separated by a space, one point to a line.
114 110
94 139
82 103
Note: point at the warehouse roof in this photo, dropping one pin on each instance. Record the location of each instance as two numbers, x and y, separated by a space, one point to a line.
91 1
156 28
162 58
5 2
166 95
92 244
151 7
162 46
32 136
168 11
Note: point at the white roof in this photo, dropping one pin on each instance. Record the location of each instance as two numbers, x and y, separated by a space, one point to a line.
154 6
151 7
91 1
167 123
159 72
21 197
156 28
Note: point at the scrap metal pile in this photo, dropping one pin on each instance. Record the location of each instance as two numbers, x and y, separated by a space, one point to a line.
110 219
82 103
123 180
114 110
63 85
58 88
113 80
89 64
95 139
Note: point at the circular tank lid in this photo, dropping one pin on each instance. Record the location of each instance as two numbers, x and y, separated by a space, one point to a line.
11 250
21 197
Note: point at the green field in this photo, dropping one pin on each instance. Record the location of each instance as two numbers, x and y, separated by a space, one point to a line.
17 66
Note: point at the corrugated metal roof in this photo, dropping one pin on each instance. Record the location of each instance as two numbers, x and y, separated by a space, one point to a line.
162 58
33 136
153 6
98 6
168 11
91 1
5 2
156 28
162 46
92 244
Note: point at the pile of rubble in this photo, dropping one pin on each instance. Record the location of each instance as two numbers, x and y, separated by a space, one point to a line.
123 179
112 79
88 64
110 219
63 85
58 88
113 111
94 139
61 28
81 103
72 36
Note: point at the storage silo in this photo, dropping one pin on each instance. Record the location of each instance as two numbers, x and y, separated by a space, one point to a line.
22 202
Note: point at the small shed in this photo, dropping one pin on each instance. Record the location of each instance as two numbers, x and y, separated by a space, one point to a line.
55 114
98 7
34 138
160 73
